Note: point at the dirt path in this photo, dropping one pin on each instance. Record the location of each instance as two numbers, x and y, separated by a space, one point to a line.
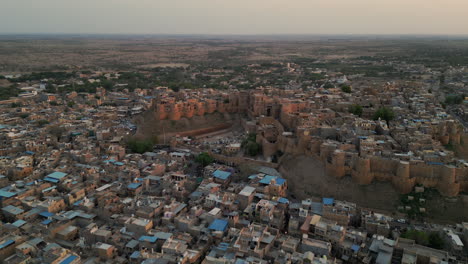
306 177
148 126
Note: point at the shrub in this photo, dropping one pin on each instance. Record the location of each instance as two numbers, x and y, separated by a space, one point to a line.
420 237
435 241
346 88
204 159
355 109
42 122
253 148
454 99
14 105
56 131
384 113
140 146
432 239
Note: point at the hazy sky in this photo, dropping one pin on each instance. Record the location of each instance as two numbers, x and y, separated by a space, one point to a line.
235 16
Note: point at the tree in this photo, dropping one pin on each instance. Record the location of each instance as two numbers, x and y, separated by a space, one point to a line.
442 79
276 156
70 104
50 88
57 131
432 239
450 147
7 92
14 105
435 241
250 137
420 237
140 146
346 88
204 159
253 148
42 122
328 85
454 99
106 84
384 113
356 109
91 133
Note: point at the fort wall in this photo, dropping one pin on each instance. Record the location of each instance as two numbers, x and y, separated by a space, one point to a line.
336 166
403 175
275 114
362 172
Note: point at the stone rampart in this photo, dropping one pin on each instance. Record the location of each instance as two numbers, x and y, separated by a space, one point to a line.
339 160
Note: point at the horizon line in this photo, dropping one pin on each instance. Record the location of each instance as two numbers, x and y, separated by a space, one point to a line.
236 34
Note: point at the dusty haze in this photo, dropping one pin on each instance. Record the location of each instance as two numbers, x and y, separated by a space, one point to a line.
235 17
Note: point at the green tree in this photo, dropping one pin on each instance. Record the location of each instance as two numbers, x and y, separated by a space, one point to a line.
70 103
253 148
251 137
356 109
107 84
24 115
435 241
7 92
421 238
328 85
384 113
450 147
56 131
204 159
140 146
50 88
442 79
432 239
454 99
250 145
14 105
42 122
346 88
